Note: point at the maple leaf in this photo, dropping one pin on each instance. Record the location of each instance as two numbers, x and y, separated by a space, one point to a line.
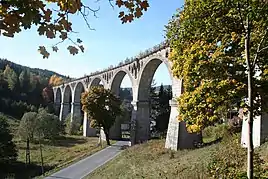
81 48
79 41
63 35
119 3
121 14
130 17
64 23
50 34
42 50
138 12
124 19
41 29
73 50
144 5
47 15
55 48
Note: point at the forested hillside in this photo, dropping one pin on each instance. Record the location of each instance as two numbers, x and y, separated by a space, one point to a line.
25 89
36 71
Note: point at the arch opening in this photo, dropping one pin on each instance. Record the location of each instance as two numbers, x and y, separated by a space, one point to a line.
58 99
67 100
155 91
122 87
79 89
96 82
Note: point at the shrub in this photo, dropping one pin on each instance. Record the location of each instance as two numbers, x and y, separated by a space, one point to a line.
230 160
8 150
215 132
33 108
73 127
49 125
28 126
235 124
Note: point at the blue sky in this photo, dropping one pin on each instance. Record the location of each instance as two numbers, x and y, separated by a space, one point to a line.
109 44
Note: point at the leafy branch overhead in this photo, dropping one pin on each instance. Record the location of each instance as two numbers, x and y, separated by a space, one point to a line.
18 15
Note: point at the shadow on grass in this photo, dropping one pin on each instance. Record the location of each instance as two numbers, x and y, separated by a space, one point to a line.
212 142
61 141
65 141
24 147
19 170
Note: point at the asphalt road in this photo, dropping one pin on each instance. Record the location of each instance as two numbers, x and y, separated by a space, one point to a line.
85 166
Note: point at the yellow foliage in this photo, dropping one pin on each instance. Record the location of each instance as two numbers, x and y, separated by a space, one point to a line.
55 80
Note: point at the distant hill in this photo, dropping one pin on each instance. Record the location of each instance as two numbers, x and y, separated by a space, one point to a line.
126 93
157 88
36 71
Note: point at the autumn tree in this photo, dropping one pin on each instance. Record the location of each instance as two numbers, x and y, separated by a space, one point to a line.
55 80
219 49
47 94
103 107
52 18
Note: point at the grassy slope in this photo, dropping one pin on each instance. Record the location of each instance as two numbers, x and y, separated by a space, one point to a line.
56 155
63 152
151 160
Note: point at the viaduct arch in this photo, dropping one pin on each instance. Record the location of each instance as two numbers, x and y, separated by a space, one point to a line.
140 72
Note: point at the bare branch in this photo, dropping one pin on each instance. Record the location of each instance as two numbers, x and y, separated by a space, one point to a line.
240 14
264 48
73 41
110 1
85 19
58 43
94 11
258 48
85 13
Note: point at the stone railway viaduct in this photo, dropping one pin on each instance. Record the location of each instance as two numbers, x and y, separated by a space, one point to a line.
140 72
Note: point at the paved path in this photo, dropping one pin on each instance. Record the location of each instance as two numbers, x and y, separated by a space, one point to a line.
89 164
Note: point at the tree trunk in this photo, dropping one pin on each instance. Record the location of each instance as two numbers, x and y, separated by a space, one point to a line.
107 137
250 104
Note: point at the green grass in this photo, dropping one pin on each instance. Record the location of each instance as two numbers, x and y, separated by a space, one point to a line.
152 161
56 155
62 152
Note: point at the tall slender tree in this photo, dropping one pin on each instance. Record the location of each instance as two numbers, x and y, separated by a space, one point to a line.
11 77
219 49
24 80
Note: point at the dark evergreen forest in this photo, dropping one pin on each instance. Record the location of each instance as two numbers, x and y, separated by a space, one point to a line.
24 89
